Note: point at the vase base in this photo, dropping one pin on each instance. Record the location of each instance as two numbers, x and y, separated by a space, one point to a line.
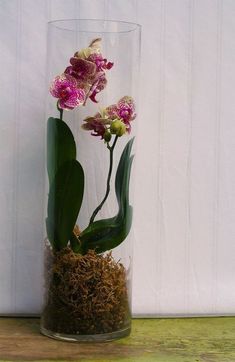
102 337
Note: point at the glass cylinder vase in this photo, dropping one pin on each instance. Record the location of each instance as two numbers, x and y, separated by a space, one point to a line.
91 108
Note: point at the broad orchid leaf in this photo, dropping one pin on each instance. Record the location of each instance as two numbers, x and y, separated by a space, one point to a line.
123 176
64 202
61 146
106 234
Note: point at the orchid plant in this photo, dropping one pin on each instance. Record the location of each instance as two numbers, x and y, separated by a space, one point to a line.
81 81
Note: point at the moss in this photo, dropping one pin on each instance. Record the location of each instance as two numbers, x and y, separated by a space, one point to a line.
87 294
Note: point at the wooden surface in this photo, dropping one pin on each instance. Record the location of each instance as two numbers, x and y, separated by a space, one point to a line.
153 340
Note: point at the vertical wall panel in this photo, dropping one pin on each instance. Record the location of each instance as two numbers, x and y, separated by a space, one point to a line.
175 148
225 253
82 9
22 154
8 135
30 157
204 88
191 202
123 10
147 249
95 10
59 9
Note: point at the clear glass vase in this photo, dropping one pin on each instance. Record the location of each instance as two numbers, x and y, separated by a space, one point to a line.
91 108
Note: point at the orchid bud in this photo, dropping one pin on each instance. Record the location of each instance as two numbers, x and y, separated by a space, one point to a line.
118 128
107 136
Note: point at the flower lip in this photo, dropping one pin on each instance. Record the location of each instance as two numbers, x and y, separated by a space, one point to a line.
126 109
97 87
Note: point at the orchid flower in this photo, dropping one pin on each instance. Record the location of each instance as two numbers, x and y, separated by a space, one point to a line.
84 78
114 119
65 88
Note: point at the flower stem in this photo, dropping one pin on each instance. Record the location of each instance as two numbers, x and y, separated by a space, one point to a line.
61 114
111 149
60 110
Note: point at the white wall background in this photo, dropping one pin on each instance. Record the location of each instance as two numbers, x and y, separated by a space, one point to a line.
185 181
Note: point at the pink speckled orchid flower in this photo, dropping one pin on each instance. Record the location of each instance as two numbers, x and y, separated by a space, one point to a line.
65 88
84 78
88 65
81 69
124 110
96 124
114 119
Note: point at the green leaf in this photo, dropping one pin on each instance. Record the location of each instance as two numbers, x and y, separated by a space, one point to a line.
106 234
123 176
61 145
64 202
51 233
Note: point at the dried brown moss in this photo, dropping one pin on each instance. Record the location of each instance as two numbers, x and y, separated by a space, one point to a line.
87 294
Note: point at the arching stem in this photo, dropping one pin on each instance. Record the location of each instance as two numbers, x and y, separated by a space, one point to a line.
99 207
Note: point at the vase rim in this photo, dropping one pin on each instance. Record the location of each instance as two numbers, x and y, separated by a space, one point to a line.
125 26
